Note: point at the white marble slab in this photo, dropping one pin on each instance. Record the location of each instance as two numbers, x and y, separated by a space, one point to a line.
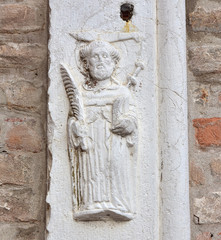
94 19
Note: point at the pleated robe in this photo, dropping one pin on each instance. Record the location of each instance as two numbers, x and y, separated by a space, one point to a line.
104 176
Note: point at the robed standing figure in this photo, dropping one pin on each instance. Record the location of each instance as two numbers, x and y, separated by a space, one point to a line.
103 142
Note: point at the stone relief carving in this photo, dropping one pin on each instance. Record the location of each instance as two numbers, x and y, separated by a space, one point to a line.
102 133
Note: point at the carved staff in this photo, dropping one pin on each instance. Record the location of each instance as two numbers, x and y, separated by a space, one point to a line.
132 81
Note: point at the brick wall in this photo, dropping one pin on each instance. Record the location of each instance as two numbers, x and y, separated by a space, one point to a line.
204 87
23 80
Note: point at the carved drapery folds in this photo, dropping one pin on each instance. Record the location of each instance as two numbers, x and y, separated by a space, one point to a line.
102 136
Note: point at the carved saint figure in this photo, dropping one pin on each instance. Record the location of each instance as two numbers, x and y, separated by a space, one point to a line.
102 141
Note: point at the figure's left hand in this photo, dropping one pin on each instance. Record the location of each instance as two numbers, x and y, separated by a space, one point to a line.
124 127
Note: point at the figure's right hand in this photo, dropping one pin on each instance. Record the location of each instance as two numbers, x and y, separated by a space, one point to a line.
77 132
77 127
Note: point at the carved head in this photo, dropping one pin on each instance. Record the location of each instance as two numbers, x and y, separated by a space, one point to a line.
99 60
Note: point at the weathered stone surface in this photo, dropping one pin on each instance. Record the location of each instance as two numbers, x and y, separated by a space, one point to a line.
204 236
2 97
204 95
23 134
15 169
11 76
29 232
196 175
20 18
215 166
11 171
18 204
219 98
201 96
208 209
22 94
24 138
174 144
20 231
205 59
208 131
205 21
22 55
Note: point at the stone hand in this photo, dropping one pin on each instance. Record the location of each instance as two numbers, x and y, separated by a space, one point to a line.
124 127
79 129
77 134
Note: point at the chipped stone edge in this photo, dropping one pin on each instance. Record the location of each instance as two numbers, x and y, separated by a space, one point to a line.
50 135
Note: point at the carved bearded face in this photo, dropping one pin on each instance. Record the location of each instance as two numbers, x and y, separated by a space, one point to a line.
101 64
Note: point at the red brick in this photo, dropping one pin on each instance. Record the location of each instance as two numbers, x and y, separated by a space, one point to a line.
208 131
23 137
205 21
196 175
18 18
22 55
23 134
205 59
204 236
